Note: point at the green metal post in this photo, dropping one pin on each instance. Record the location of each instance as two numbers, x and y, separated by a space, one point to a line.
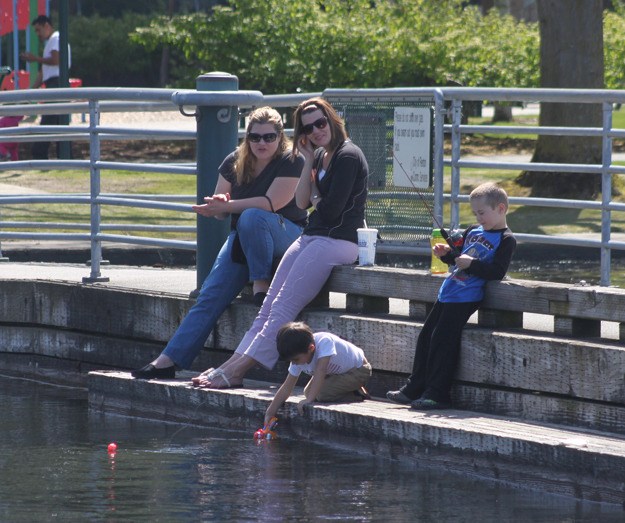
217 135
33 67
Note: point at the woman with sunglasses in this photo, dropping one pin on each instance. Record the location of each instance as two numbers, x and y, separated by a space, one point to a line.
255 188
334 182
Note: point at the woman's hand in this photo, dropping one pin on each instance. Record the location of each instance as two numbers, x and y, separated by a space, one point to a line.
221 197
305 146
216 206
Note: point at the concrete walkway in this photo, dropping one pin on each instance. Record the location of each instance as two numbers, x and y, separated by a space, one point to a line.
171 281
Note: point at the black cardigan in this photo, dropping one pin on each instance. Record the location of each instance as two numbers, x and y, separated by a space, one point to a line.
343 191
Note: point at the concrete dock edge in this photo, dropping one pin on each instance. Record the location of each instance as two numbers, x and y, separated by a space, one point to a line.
573 462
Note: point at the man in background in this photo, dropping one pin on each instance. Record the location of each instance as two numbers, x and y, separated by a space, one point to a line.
48 75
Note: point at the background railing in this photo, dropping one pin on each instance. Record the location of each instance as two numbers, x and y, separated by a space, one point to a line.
400 215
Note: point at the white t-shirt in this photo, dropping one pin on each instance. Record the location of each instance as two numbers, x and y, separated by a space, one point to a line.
344 356
52 44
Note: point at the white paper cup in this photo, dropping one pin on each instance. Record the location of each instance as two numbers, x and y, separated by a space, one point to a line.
367 240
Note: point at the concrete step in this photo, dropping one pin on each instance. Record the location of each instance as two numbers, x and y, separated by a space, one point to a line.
584 464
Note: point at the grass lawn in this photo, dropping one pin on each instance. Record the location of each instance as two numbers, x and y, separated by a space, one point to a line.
123 182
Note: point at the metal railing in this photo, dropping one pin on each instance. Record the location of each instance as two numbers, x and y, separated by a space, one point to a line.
446 103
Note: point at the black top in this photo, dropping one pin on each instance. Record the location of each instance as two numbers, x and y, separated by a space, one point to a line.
281 167
343 191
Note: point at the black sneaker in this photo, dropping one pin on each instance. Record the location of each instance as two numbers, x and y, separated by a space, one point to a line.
429 404
398 397
150 372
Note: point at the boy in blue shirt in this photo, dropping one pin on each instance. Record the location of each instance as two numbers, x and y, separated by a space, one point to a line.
339 369
485 255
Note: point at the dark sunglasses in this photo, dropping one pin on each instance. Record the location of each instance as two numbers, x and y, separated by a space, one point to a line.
267 138
319 124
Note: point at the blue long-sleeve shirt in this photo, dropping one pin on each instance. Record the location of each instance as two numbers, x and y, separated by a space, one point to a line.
492 251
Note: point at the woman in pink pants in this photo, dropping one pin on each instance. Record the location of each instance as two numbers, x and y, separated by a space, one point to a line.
334 182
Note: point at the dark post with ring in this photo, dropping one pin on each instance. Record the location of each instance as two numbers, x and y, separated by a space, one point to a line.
217 135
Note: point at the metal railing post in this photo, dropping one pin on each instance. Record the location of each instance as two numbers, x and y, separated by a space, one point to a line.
606 194
94 172
2 258
456 137
217 135
439 144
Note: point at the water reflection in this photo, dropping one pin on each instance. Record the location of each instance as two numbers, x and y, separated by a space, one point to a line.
55 467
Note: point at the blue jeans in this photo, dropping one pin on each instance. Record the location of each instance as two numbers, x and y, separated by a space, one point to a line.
263 236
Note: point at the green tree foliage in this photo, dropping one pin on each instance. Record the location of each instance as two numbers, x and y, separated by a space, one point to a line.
614 47
116 8
302 44
310 45
103 55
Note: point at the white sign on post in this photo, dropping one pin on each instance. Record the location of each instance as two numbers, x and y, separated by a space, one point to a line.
411 147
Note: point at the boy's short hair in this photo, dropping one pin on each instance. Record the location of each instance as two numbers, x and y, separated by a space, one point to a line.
293 338
492 193
42 20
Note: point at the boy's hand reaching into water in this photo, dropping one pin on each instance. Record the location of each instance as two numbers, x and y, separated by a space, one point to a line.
300 405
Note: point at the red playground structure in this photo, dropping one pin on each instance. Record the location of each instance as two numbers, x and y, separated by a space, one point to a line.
15 17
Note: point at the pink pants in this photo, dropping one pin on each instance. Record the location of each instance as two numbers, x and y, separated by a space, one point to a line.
303 271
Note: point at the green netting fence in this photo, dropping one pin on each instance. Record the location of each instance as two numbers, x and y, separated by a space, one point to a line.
399 213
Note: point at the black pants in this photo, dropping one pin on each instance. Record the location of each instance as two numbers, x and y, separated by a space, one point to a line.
438 351
40 149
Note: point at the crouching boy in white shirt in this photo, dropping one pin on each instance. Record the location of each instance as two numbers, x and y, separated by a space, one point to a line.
339 369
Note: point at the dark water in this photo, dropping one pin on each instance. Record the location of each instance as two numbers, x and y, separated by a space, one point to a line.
557 269
55 466
567 271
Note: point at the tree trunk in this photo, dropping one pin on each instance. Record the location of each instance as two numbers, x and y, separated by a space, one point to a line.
163 76
571 56
502 113
487 5
523 10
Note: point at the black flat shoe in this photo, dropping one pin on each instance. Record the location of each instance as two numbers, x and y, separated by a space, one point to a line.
150 372
259 298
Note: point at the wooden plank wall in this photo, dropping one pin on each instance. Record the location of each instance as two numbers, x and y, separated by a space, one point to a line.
570 376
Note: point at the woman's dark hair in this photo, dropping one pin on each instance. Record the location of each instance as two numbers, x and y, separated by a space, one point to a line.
337 126
293 339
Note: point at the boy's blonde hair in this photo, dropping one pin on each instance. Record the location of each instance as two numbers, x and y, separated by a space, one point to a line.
492 194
